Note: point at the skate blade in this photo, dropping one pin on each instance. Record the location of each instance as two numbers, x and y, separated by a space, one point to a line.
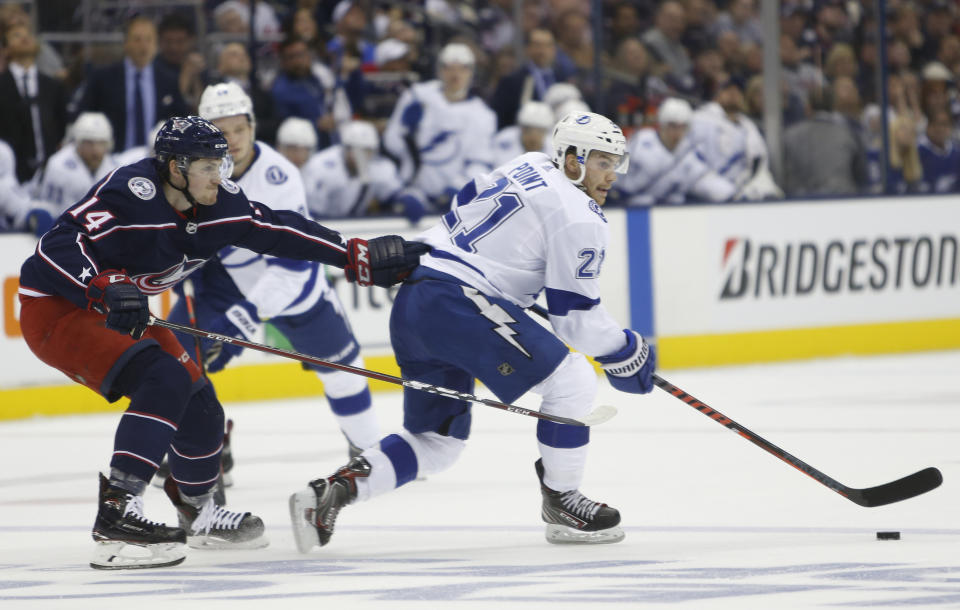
125 556
304 532
215 543
561 534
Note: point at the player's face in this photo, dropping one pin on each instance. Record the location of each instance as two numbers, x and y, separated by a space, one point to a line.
298 155
600 175
91 152
532 138
205 176
671 134
239 133
456 79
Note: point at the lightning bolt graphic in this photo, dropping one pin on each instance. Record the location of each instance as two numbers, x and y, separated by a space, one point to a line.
497 315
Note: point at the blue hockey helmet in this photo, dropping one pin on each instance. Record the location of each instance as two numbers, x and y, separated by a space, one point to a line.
187 138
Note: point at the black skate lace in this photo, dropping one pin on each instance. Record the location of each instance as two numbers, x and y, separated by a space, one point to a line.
580 505
213 516
135 507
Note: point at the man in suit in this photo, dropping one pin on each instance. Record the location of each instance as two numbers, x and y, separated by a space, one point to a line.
33 106
150 94
530 82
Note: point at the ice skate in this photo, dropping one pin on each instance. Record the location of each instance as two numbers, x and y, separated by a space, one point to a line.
125 539
313 511
572 518
213 527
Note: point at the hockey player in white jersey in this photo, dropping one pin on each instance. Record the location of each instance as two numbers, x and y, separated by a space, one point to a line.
17 211
73 169
241 288
666 168
297 140
345 179
441 134
732 145
530 134
531 226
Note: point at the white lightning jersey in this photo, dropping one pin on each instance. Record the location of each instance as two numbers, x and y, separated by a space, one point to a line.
507 145
731 148
333 193
66 179
14 202
657 175
524 229
276 286
453 140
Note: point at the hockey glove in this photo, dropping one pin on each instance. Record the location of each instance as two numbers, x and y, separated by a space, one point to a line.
382 261
631 368
240 320
114 294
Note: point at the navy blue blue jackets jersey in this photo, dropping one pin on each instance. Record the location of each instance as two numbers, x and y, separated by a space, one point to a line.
125 222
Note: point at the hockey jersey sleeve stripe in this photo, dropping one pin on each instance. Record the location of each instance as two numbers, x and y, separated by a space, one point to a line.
313 238
562 302
60 269
163 226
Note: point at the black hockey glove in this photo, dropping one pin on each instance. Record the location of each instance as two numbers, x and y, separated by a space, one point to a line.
113 293
382 261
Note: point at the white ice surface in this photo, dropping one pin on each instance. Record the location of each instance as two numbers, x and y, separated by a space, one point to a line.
711 520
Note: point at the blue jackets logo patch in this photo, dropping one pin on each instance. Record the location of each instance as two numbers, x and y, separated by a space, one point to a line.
142 187
230 186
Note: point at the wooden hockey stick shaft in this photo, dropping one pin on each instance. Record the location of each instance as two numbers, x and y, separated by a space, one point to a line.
902 489
597 416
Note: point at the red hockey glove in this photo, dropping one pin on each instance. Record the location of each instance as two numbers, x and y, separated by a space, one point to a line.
113 293
382 261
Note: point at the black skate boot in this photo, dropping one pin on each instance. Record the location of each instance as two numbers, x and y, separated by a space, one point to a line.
572 518
211 526
125 539
313 511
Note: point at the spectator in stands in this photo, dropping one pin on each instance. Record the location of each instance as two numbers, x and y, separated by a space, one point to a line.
664 41
439 133
949 54
905 170
935 82
938 22
841 61
233 66
939 154
176 42
664 166
48 61
741 18
625 24
632 90
732 145
133 93
233 17
350 23
352 179
575 39
800 78
825 154
531 81
296 140
298 91
904 26
530 134
80 164
33 106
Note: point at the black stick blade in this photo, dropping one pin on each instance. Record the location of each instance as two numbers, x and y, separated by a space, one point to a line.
902 489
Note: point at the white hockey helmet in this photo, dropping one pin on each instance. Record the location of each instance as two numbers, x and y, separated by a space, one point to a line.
576 105
558 93
295 131
535 114
92 126
456 53
223 100
674 110
360 134
586 132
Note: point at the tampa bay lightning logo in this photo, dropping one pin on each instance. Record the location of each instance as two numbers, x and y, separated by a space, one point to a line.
142 187
155 283
275 175
595 207
441 149
230 186
583 119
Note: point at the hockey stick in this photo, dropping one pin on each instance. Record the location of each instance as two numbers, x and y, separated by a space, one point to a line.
895 491
192 315
595 417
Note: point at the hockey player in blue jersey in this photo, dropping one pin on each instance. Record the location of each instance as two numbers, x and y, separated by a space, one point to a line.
531 226
83 296
239 288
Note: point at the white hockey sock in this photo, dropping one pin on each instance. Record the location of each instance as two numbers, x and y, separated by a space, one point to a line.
563 468
382 477
362 429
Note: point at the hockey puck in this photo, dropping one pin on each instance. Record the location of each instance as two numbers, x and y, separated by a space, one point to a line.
888 535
